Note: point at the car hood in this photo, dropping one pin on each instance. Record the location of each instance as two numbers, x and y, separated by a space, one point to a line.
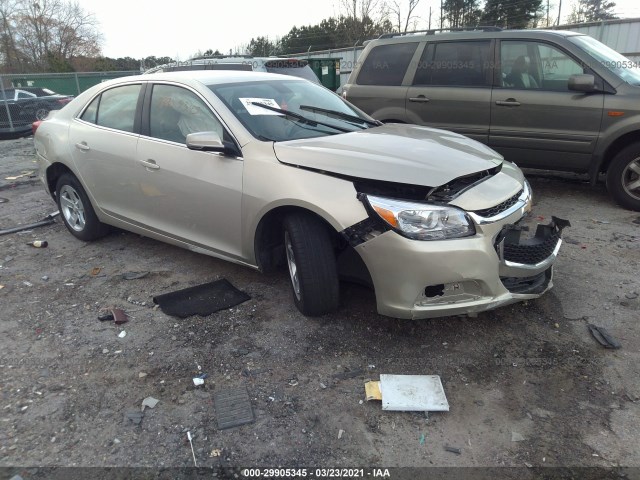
394 152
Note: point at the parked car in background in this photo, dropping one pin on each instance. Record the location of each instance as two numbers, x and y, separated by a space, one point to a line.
553 100
284 66
270 170
25 105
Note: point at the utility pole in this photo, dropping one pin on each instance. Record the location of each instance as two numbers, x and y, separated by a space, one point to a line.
429 18
441 16
559 10
547 13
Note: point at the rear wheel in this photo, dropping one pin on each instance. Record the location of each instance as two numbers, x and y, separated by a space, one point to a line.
312 265
623 177
76 210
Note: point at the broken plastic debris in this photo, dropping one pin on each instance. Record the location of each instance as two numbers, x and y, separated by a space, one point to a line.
135 417
149 402
28 284
408 393
134 275
340 433
517 437
122 334
197 381
119 316
603 337
105 316
455 450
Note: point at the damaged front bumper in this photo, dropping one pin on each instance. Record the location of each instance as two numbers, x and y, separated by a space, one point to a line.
496 267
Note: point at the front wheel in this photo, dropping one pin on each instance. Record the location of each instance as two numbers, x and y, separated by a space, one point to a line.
312 265
623 177
41 112
76 210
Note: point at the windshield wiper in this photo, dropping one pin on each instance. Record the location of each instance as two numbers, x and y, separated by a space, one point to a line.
345 116
302 118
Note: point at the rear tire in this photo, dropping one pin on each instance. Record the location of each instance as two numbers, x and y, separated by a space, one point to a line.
623 177
76 210
311 261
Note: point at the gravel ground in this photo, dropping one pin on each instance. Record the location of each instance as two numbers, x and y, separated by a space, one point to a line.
527 384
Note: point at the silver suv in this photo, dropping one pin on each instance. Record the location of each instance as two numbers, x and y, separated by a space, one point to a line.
544 99
284 66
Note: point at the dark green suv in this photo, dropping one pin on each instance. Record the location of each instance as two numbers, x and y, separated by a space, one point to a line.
542 98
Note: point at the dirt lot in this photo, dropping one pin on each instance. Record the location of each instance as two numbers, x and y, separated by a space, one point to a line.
527 384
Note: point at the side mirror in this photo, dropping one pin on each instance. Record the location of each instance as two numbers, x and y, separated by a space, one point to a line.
205 141
582 83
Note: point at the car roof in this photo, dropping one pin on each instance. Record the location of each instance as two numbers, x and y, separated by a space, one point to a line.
212 77
225 59
473 34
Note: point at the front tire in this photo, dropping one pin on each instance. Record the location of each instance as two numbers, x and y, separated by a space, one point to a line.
311 262
76 210
41 112
623 177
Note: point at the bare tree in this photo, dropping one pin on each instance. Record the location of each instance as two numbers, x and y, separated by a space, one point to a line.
400 20
360 9
9 54
47 34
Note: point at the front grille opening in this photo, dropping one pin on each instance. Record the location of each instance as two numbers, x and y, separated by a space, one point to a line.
535 284
501 207
434 291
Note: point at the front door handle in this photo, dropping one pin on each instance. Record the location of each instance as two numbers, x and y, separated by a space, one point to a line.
82 146
419 99
150 164
509 102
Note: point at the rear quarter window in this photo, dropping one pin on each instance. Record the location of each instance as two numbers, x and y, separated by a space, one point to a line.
386 64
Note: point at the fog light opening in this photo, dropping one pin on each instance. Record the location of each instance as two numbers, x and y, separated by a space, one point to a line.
434 290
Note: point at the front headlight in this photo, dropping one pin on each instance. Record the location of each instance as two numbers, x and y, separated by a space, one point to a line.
422 221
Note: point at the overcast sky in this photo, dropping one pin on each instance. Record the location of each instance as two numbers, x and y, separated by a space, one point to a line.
139 28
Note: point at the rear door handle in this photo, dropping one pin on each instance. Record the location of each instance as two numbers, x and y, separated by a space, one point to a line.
150 164
509 102
83 146
419 99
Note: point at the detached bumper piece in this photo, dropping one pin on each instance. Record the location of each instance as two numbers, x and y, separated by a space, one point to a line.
529 261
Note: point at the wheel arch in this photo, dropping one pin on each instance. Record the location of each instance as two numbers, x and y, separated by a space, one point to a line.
615 147
268 245
54 172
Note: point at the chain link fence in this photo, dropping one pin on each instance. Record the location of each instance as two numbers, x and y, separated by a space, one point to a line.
25 98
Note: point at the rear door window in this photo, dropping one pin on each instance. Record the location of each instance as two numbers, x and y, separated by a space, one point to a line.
386 64
118 107
455 64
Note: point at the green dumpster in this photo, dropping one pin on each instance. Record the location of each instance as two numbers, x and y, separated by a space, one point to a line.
327 70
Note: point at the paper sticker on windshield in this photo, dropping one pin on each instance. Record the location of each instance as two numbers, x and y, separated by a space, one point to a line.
258 110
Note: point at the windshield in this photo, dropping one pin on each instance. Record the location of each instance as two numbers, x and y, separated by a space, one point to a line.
620 65
269 124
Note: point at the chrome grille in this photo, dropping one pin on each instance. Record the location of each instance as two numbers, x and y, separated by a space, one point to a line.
501 207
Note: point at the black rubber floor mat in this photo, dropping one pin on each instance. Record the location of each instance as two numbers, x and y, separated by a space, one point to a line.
201 300
233 407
